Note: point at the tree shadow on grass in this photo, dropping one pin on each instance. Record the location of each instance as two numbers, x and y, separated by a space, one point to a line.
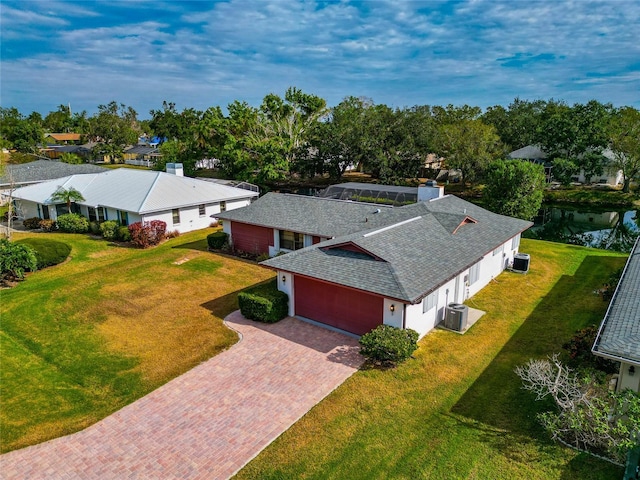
496 397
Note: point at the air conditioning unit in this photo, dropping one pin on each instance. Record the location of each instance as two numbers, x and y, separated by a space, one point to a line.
521 262
456 317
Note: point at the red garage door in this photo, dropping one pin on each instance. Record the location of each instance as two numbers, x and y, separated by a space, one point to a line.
251 238
351 310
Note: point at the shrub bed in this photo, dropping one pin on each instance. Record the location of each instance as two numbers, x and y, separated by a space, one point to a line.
217 240
31 223
48 225
123 234
73 223
389 345
264 303
148 233
48 252
16 259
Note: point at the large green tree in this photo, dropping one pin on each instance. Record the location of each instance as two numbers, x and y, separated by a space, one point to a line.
624 139
22 133
114 127
514 188
518 123
469 146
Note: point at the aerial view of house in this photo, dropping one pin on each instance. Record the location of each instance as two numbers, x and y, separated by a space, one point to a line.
129 196
354 266
619 335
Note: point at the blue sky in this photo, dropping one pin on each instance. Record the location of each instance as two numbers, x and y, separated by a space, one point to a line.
205 53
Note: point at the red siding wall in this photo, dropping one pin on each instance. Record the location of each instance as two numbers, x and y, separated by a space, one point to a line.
251 238
351 310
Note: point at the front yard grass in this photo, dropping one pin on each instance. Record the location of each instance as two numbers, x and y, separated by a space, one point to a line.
457 410
82 339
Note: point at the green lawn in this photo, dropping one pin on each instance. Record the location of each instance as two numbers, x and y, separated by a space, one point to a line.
456 411
86 337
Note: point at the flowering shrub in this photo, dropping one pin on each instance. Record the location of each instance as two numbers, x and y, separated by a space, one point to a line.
109 229
145 234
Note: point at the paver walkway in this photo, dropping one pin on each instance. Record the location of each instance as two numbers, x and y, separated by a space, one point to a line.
212 420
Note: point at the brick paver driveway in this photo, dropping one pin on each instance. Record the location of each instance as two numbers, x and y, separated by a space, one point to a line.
210 421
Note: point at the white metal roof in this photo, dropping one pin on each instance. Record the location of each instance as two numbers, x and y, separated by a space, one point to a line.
139 191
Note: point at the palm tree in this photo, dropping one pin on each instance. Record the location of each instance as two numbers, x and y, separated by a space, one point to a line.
68 196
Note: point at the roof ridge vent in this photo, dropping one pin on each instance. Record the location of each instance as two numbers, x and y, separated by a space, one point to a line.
389 227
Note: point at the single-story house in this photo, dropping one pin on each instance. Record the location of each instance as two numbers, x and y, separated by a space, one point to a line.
535 154
354 266
141 155
131 196
62 138
619 335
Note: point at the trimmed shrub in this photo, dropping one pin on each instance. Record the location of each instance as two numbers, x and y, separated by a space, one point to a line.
172 234
95 228
123 234
389 345
16 259
31 223
217 240
264 303
73 223
148 233
48 252
48 225
109 229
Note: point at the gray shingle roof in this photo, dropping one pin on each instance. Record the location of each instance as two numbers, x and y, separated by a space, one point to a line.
43 170
421 246
619 334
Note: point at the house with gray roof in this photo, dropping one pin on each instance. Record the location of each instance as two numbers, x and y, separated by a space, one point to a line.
42 170
354 266
129 196
619 335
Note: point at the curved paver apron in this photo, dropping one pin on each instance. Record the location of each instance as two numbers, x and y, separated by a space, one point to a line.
209 422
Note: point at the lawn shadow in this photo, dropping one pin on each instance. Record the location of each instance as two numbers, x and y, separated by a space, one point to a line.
496 397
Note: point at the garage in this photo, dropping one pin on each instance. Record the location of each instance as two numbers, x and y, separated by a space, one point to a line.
251 238
344 308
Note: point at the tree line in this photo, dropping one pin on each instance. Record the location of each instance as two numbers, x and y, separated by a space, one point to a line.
299 135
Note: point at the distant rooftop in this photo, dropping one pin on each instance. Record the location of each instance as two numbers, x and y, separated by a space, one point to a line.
43 170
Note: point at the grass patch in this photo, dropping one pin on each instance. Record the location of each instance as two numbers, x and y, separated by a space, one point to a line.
456 410
595 197
86 338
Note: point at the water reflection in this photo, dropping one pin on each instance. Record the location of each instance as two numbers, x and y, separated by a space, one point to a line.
613 230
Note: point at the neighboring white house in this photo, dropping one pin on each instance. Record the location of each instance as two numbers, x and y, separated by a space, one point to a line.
534 153
130 196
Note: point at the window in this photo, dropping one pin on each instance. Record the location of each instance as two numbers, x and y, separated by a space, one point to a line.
429 301
291 240
123 217
45 212
497 251
92 214
176 216
515 242
474 273
223 206
101 216
201 210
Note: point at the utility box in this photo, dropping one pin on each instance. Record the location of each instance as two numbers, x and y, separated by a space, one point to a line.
521 262
456 317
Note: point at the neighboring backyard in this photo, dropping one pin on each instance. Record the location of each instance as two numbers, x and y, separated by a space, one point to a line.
457 410
87 337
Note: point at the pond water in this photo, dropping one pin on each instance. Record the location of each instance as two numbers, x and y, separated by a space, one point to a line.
611 230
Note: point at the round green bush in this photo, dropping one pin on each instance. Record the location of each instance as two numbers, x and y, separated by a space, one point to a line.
109 229
217 240
48 252
389 345
123 234
73 223
16 259
95 228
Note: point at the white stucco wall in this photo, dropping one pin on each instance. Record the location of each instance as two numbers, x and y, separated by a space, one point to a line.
628 381
395 318
285 284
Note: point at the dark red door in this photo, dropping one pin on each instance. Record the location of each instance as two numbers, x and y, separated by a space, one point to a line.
351 310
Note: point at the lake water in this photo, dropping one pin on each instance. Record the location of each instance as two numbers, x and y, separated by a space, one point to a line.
613 230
